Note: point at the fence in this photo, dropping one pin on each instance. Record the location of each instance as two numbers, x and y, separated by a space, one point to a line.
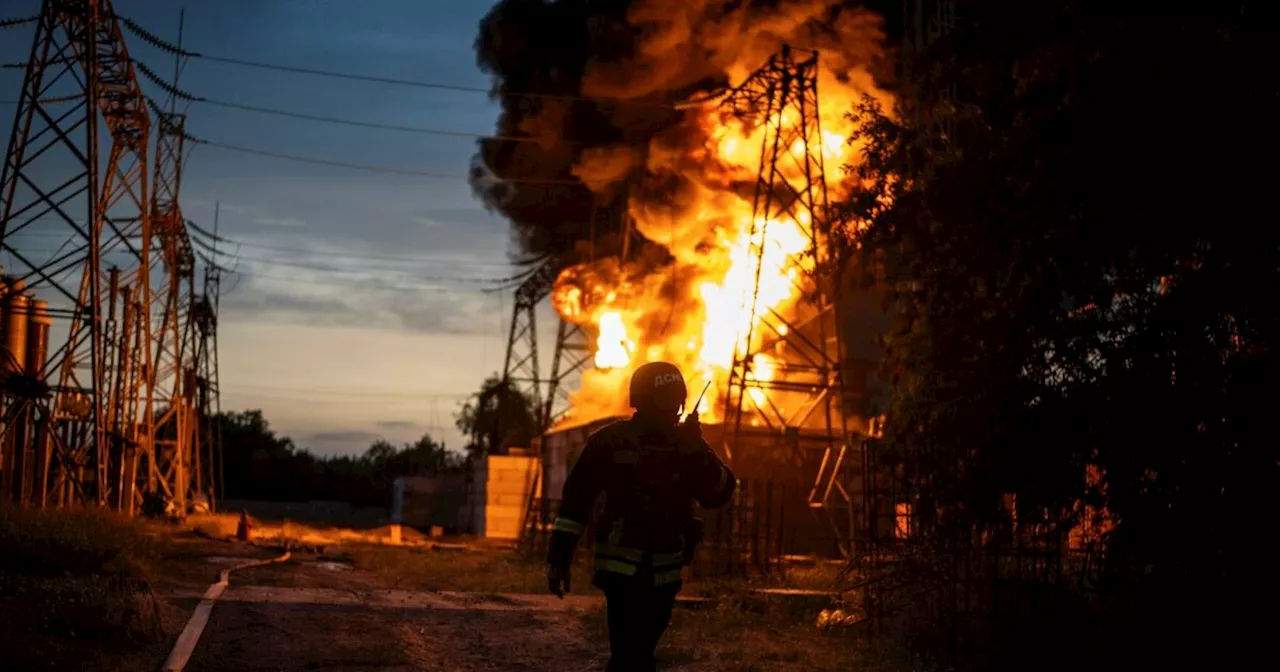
755 535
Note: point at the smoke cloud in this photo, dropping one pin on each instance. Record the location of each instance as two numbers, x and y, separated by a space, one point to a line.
626 125
608 74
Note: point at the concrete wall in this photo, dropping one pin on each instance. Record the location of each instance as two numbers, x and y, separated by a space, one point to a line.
322 512
499 493
421 502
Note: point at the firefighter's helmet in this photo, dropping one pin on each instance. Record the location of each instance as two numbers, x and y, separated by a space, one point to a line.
658 383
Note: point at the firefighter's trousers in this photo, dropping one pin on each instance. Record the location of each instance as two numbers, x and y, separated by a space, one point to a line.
638 614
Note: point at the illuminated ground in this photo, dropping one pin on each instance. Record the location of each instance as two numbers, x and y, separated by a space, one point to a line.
473 611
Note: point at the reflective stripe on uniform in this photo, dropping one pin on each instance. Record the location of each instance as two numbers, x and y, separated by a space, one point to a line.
668 559
615 551
566 525
664 578
615 566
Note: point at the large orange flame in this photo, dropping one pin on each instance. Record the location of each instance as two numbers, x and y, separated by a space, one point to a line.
718 259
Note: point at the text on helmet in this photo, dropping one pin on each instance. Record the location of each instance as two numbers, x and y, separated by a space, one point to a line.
664 378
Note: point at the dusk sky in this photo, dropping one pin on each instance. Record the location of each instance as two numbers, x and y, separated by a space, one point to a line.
355 312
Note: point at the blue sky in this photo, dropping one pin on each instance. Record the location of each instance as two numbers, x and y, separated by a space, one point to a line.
330 326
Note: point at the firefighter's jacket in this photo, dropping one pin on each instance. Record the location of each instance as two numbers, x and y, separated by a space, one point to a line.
650 476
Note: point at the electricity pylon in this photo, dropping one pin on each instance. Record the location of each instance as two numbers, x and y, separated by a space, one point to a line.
795 412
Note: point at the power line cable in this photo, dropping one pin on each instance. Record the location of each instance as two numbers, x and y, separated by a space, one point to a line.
10 23
355 284
378 169
347 255
354 393
165 45
374 272
175 91
184 95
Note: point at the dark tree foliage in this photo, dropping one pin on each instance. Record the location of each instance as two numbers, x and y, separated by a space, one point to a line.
258 464
1085 275
497 417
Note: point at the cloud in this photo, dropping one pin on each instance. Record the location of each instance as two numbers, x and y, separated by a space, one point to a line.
349 442
281 222
361 302
397 425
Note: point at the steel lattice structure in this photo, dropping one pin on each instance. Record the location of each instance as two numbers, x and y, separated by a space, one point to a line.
521 367
575 346
798 411
204 319
176 461
80 417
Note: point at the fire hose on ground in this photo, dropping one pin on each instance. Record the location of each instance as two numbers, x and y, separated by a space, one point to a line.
186 643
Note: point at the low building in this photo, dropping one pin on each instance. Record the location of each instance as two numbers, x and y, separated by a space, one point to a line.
424 502
500 494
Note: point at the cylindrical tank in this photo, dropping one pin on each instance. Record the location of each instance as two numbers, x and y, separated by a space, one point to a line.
38 337
5 282
17 310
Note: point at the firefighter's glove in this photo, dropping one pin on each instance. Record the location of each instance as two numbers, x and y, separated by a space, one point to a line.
691 428
557 580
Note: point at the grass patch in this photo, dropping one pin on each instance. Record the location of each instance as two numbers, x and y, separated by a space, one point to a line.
72 581
79 542
743 633
463 570
822 577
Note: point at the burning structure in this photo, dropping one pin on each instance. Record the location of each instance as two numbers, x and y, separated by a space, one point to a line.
704 159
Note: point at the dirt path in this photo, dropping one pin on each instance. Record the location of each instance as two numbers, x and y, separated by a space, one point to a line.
307 614
331 620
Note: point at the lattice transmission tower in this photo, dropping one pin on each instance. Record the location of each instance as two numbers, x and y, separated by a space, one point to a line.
208 400
574 347
521 367
177 468
76 221
794 411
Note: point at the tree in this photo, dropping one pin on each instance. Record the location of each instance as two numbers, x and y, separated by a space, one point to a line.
497 417
258 464
261 465
1075 279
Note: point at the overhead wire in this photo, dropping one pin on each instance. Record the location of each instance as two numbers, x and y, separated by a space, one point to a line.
354 284
393 170
164 45
189 137
209 249
373 274
10 23
353 393
351 255
185 95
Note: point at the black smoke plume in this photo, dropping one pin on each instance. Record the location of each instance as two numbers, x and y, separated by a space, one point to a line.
607 75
